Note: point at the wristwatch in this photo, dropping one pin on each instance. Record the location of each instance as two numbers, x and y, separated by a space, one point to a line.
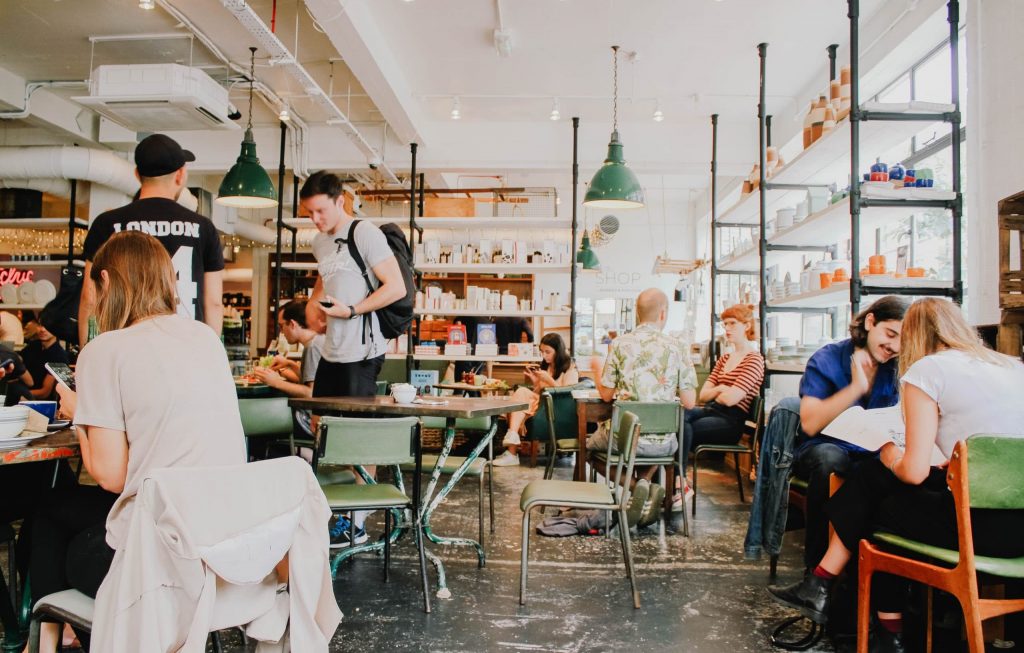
352 312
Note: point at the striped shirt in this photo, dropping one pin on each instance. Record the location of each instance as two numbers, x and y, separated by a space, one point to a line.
746 376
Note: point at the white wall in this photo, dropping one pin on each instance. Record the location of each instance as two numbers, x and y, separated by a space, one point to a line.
994 143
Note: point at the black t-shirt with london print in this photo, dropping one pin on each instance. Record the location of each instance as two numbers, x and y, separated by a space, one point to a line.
189 238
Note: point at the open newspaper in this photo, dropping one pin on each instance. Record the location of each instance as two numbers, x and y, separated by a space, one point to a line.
872 429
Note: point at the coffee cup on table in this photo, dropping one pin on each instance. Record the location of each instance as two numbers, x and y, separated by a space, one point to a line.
46 408
403 393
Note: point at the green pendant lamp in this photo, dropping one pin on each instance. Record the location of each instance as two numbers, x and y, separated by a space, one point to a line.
586 257
247 184
614 186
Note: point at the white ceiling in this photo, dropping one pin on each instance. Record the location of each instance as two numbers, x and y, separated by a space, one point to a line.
696 57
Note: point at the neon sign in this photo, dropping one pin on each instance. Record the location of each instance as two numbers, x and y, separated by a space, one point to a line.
15 276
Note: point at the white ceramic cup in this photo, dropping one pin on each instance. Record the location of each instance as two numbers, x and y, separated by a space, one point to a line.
403 393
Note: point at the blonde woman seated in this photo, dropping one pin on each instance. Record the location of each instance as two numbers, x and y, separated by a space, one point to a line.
951 388
556 370
154 391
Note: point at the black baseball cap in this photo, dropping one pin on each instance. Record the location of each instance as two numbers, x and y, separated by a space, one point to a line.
158 155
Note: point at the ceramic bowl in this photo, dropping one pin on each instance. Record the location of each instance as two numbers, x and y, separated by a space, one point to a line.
27 292
13 420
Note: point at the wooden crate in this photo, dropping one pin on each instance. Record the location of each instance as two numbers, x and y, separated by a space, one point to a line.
1011 274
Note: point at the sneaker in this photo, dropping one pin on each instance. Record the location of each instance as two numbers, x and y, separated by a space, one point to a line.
339 531
506 459
636 501
677 502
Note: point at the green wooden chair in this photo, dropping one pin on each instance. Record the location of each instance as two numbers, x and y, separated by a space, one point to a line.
984 473
656 417
588 495
355 441
751 427
476 469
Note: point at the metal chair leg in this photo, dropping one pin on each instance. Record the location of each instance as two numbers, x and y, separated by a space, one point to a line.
629 563
490 482
661 522
12 572
480 509
524 557
739 475
693 501
387 544
418 528
218 646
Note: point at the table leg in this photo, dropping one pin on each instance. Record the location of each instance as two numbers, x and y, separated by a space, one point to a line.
581 436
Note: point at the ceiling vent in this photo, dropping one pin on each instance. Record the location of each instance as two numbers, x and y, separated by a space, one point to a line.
158 97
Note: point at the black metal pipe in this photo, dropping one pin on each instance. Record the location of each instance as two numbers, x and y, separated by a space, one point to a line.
71 221
768 128
422 204
832 62
855 280
295 214
276 304
714 235
409 345
954 49
575 228
762 52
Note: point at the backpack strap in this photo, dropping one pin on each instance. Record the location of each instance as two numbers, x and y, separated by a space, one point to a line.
353 251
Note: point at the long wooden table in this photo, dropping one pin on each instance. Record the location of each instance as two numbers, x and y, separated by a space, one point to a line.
451 409
590 408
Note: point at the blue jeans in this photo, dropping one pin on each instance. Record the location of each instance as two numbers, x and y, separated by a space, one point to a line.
771 490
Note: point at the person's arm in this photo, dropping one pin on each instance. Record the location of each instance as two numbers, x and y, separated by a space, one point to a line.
86 304
46 389
104 451
921 415
710 390
314 311
816 413
278 382
390 290
687 382
750 373
213 303
608 382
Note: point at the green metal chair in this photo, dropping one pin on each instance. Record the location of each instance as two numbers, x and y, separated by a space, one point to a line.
555 424
656 417
476 469
984 473
752 428
588 495
267 417
356 442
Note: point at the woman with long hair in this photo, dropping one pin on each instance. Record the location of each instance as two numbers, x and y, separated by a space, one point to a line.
154 390
952 388
556 370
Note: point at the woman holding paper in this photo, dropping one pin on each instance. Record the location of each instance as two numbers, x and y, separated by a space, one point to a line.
556 370
952 387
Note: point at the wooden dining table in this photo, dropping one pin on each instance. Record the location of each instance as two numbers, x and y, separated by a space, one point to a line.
590 409
449 408
51 447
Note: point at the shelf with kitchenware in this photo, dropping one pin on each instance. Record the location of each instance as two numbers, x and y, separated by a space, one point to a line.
49 224
468 358
45 264
463 312
459 223
21 307
493 268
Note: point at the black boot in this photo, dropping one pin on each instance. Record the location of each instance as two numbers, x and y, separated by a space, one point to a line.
883 641
810 596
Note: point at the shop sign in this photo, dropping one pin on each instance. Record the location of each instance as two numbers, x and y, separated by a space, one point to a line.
15 276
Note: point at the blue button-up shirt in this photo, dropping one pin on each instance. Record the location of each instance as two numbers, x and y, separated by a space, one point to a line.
828 372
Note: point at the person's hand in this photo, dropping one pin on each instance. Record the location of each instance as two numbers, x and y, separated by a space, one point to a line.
596 364
543 376
68 402
279 362
4 371
338 309
861 364
268 376
889 454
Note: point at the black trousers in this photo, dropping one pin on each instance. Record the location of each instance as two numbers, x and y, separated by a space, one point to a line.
355 379
872 498
68 546
711 425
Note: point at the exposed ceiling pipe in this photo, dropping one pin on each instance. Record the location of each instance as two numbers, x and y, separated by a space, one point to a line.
31 88
286 60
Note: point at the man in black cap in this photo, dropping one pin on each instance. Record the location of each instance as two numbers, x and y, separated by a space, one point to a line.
189 238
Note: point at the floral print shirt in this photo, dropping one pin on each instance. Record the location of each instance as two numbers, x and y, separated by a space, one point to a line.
648 365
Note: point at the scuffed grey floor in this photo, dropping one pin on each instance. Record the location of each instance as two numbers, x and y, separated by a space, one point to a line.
698 594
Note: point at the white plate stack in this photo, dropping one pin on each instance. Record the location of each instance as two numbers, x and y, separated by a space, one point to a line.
12 423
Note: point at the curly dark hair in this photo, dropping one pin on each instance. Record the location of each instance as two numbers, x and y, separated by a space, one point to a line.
887 308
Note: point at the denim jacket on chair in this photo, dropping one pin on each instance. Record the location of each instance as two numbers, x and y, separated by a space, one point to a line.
771 490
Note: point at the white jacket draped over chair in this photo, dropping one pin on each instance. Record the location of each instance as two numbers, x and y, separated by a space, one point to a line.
200 555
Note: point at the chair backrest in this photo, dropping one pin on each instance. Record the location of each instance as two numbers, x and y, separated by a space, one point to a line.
755 419
993 471
560 420
655 416
367 441
627 436
265 416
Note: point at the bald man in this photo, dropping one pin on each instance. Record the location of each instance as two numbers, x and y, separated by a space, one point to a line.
647 365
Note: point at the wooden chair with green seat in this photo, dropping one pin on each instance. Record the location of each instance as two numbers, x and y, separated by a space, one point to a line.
358 441
475 470
984 473
752 430
656 417
588 495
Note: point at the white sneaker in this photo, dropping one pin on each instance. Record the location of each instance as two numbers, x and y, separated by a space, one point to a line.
507 459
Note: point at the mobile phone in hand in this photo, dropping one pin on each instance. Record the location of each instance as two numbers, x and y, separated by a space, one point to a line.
62 373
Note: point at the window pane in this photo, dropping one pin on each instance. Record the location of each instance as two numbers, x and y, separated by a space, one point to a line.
931 78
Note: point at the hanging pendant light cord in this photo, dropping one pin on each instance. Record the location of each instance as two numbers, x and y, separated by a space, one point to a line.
615 83
252 79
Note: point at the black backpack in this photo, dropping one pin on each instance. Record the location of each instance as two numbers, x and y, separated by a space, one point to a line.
60 315
394 319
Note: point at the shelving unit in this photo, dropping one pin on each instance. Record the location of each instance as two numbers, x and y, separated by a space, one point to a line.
458 223
874 126
45 265
462 312
53 224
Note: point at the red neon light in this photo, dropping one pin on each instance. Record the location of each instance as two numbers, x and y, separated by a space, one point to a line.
15 276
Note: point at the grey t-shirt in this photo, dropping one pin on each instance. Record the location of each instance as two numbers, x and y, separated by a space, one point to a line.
310 359
343 342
